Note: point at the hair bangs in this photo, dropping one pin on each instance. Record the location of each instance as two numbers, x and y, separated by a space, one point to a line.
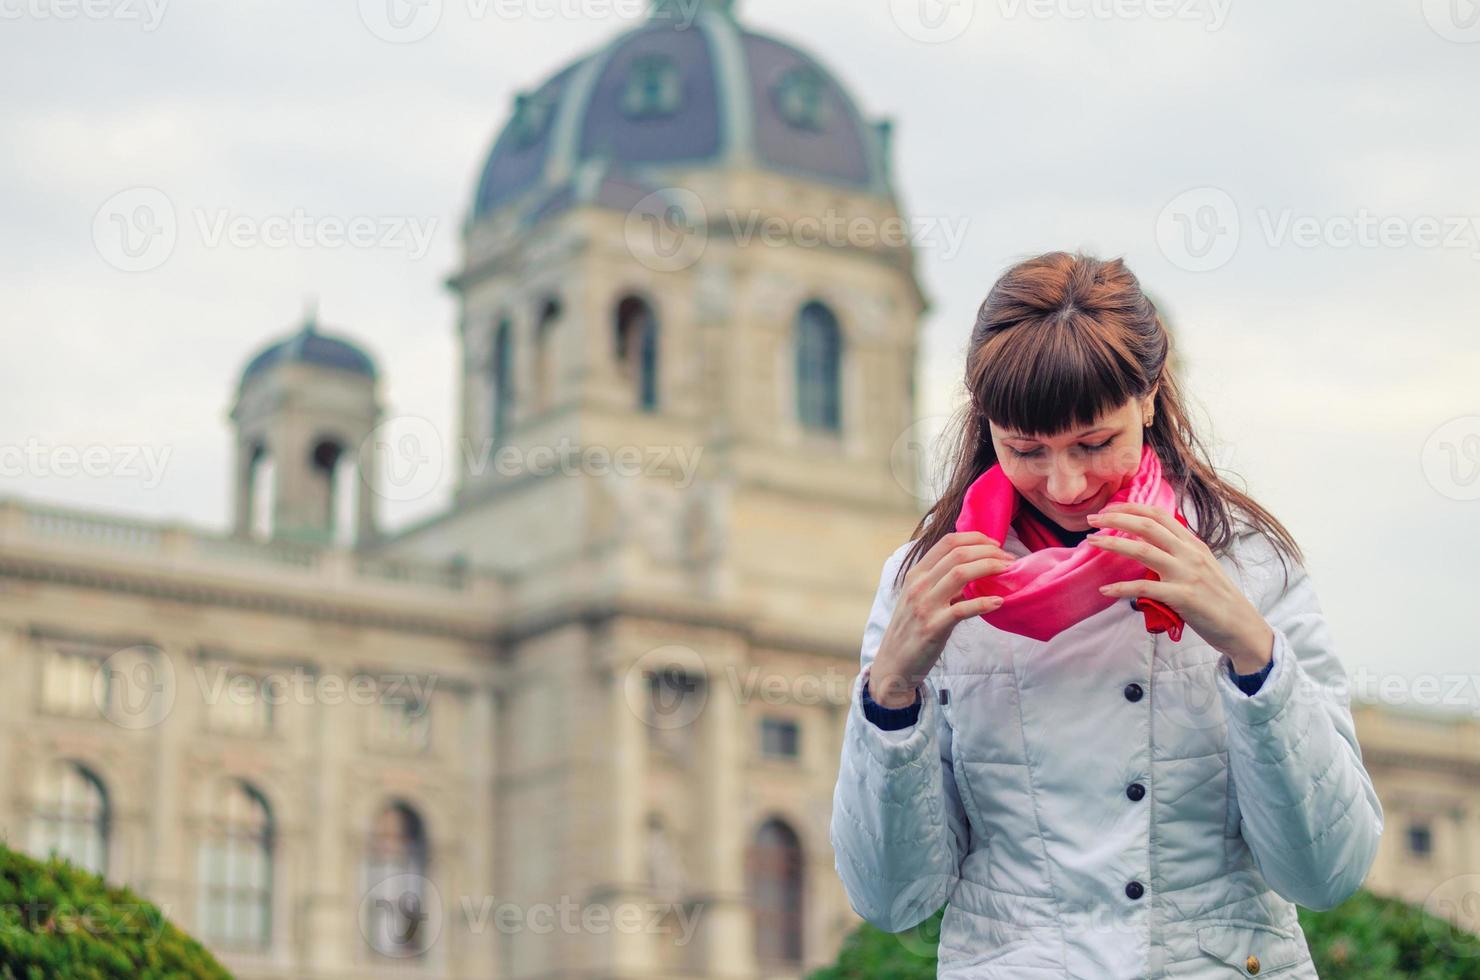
1064 376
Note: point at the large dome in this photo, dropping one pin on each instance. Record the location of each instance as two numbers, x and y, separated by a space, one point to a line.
690 86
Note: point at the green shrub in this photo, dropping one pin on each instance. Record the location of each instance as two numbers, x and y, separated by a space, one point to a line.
1372 938
1364 938
58 922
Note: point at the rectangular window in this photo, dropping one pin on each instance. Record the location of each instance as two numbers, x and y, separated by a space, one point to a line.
780 738
239 705
1420 840
74 682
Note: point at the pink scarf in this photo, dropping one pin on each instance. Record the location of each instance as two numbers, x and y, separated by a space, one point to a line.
1054 587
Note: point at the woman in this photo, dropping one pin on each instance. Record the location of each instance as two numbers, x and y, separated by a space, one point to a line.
1094 792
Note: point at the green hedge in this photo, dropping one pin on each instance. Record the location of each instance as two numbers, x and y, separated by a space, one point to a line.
1364 938
61 923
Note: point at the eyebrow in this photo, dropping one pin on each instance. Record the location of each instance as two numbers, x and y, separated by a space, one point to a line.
1081 435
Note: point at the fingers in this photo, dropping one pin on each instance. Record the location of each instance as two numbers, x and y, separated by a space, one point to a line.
1149 523
975 607
955 573
1154 558
947 544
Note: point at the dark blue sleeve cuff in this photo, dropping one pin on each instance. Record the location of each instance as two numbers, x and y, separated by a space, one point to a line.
1250 683
890 719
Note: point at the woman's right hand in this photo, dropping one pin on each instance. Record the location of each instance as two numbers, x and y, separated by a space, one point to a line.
929 607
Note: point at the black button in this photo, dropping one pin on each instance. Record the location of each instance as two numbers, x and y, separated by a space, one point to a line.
1134 890
1135 791
1133 692
1133 604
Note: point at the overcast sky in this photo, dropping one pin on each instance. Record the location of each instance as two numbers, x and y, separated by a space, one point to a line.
1295 183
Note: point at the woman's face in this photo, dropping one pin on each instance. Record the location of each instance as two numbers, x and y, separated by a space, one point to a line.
1072 475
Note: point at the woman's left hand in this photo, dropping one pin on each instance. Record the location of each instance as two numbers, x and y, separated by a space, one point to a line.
1192 581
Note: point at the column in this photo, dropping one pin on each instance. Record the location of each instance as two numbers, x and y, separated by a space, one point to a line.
162 871
631 951
475 952
331 929
727 925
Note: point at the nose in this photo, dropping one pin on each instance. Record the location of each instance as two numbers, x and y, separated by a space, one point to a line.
1066 483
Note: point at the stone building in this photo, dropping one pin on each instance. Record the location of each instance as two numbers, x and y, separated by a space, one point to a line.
585 722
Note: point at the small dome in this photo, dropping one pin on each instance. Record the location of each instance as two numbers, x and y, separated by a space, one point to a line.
309 346
688 87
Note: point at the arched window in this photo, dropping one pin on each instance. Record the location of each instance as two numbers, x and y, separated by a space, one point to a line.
394 879
544 354
235 868
502 379
819 368
336 470
776 871
70 816
637 349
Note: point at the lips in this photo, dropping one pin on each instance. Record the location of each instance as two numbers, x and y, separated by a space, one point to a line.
1078 508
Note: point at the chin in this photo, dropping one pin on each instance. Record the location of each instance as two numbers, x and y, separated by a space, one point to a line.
1069 522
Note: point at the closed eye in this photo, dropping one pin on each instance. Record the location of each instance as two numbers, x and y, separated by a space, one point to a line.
1101 447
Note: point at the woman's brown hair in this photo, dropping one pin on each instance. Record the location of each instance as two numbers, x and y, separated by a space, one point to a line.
1059 341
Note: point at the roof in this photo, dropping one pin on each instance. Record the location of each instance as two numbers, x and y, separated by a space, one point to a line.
688 86
309 346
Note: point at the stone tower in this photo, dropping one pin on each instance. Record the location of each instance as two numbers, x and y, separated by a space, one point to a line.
689 319
304 411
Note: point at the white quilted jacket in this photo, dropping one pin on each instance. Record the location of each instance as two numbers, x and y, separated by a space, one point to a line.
1011 798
